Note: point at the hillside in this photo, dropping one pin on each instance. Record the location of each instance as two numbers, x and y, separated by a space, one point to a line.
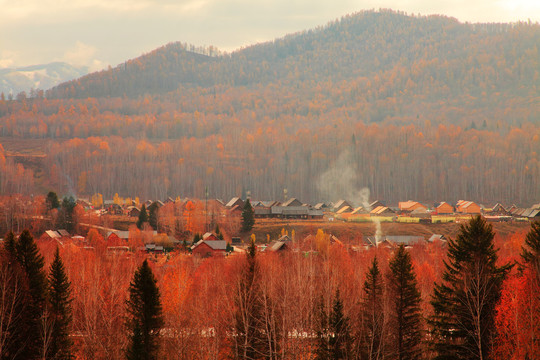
369 57
422 108
44 76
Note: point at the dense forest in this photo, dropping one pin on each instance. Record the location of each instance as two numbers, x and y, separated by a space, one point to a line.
411 107
325 301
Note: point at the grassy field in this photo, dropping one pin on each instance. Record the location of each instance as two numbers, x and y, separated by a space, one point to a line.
347 231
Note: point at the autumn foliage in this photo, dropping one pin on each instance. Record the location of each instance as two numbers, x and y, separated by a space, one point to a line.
203 299
427 108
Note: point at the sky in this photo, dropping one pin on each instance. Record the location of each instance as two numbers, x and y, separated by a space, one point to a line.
98 33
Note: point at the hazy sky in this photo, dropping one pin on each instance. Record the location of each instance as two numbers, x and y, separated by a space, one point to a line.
98 33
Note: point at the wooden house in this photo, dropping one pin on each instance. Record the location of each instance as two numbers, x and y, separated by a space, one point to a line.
410 205
467 207
341 204
133 211
345 210
375 204
207 248
381 211
209 236
359 210
444 208
292 202
235 201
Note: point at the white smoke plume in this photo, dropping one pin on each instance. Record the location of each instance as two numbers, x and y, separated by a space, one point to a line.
340 182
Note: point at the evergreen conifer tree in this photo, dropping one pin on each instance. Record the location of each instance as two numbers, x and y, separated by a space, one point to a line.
339 340
322 351
250 341
373 313
143 217
196 238
248 217
60 310
52 201
218 232
153 213
25 252
14 300
464 302
68 209
145 315
531 249
406 316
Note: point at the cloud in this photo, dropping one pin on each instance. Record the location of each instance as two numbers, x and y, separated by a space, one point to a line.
7 58
83 55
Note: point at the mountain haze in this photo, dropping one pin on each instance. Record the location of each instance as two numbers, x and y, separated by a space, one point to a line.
44 76
358 46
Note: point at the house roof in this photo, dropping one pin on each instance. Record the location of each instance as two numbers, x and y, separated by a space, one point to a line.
534 213
498 207
285 238
235 201
375 204
360 210
406 205
53 234
315 212
437 237
295 210
468 204
381 210
277 245
341 203
121 234
292 202
443 203
320 206
209 236
63 232
397 239
213 244
235 208
345 209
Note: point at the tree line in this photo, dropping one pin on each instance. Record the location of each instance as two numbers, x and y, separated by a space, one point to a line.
331 304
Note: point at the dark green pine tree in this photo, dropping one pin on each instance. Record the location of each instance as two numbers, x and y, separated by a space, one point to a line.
196 238
67 220
14 295
153 213
322 350
218 232
248 217
145 315
339 340
464 302
373 314
52 201
60 310
143 217
250 343
531 249
25 252
406 316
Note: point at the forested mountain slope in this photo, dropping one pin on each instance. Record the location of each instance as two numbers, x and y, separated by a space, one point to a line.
412 107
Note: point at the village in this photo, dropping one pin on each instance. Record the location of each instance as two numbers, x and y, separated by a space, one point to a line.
212 227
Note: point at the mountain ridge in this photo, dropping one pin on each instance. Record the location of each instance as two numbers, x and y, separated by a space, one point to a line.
40 76
378 41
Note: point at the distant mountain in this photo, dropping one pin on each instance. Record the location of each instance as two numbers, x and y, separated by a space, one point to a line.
413 55
44 76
